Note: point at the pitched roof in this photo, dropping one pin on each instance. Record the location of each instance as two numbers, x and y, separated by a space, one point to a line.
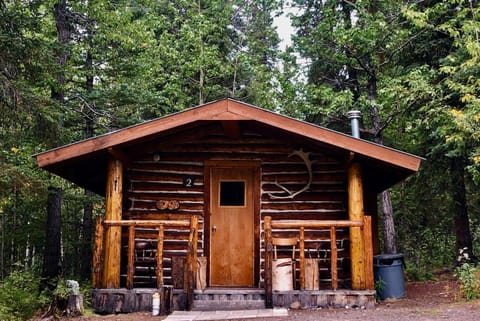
66 160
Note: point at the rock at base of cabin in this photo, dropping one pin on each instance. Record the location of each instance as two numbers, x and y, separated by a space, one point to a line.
296 305
73 287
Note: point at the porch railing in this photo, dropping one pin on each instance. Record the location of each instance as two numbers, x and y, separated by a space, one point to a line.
300 226
160 225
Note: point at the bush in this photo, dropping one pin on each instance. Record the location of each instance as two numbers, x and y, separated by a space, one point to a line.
19 297
469 276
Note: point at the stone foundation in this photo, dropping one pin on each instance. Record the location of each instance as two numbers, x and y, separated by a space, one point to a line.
110 301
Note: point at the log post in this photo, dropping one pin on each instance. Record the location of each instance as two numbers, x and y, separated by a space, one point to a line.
267 229
371 209
367 232
187 277
113 237
160 257
194 224
356 213
97 254
191 261
302 259
333 257
131 256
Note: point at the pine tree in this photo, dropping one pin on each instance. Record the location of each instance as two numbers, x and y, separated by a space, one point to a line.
352 48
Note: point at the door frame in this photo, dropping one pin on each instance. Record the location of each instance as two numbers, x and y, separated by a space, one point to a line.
255 166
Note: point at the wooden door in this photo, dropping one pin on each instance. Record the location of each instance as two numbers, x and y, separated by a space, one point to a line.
232 227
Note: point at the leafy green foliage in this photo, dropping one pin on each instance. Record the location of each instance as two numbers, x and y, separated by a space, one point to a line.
469 276
446 111
19 297
470 284
451 112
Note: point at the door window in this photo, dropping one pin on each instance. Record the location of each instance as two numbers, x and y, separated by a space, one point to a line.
232 193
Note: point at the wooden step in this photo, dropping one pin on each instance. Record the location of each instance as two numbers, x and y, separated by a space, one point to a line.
228 299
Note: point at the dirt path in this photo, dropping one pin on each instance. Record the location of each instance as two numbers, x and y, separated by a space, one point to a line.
425 301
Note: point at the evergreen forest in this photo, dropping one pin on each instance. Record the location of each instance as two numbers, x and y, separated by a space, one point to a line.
71 70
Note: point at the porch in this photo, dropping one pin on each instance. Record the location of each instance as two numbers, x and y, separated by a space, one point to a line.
129 298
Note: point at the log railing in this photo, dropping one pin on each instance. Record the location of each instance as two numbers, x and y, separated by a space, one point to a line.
301 225
160 225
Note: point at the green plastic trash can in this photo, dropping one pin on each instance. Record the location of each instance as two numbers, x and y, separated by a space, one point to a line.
388 273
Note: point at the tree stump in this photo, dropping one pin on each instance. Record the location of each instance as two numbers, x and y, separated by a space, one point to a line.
74 305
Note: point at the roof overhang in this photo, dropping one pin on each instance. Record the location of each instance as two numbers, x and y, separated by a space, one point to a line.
84 162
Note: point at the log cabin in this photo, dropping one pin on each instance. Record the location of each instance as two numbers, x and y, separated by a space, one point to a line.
196 201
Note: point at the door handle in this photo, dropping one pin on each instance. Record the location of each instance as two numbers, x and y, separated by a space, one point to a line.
214 228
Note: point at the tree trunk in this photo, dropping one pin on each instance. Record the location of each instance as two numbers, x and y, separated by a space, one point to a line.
87 228
52 254
87 221
389 242
2 247
462 223
13 244
352 83
64 31
201 80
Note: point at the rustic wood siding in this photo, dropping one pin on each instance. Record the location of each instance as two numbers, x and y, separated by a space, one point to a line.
150 180
158 175
325 199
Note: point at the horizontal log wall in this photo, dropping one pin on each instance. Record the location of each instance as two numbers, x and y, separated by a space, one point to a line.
325 199
159 176
150 181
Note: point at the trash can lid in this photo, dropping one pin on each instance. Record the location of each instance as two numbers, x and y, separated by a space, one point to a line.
389 256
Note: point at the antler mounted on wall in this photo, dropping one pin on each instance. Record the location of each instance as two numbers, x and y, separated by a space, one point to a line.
306 158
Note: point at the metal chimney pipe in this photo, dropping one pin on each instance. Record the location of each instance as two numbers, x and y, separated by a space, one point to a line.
354 116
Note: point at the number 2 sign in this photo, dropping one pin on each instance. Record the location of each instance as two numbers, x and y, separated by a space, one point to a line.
188 181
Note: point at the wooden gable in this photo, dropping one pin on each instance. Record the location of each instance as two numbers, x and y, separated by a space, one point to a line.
85 162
